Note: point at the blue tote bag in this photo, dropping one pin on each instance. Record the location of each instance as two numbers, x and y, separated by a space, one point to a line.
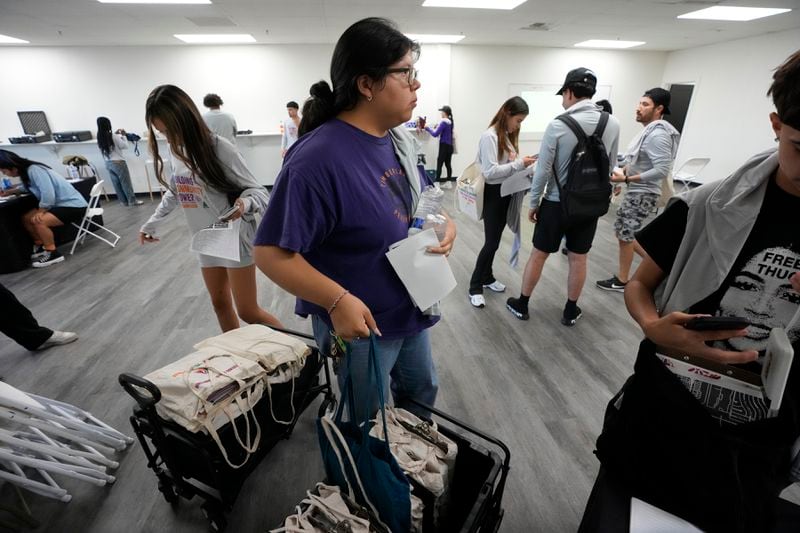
361 465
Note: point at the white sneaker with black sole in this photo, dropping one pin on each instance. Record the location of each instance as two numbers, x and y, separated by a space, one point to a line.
47 258
477 300
495 286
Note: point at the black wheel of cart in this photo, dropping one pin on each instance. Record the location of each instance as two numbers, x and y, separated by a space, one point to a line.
216 518
328 404
168 491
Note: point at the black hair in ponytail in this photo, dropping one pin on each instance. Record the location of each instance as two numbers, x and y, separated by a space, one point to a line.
368 47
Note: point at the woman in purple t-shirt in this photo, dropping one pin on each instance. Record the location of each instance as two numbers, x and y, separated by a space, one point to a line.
347 191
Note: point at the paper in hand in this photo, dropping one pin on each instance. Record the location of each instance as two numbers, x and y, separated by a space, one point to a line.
219 240
519 182
427 277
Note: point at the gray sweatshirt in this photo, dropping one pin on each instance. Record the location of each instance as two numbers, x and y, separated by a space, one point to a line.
651 155
202 205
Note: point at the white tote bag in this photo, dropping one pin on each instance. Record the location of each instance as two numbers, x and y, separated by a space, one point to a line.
469 192
206 390
422 452
282 356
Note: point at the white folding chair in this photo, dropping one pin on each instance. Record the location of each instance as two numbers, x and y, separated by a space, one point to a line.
686 176
86 222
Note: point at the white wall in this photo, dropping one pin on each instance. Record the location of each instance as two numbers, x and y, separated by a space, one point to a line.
481 76
728 116
75 85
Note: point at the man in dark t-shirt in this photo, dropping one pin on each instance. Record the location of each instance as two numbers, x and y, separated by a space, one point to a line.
729 248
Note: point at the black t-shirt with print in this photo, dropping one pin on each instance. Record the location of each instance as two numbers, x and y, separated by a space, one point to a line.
757 287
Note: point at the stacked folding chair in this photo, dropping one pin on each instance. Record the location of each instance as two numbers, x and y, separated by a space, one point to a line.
42 438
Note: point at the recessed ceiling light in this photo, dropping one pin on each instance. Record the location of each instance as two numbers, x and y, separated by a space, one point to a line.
741 14
154 1
474 4
602 43
434 38
5 39
219 38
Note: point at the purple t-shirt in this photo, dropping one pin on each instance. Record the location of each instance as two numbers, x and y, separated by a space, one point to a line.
340 200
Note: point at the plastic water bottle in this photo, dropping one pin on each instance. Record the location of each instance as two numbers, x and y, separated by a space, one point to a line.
430 203
6 184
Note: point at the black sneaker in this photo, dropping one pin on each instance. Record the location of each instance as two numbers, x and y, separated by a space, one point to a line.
517 308
48 258
38 250
568 319
612 284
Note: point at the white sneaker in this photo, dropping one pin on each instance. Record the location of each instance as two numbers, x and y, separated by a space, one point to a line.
496 286
477 300
58 338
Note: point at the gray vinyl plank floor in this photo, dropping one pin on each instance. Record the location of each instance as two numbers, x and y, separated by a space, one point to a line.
540 387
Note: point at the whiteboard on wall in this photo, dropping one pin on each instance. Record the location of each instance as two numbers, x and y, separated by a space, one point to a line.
545 105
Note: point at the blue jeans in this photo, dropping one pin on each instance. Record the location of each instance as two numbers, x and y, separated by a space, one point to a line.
121 180
406 363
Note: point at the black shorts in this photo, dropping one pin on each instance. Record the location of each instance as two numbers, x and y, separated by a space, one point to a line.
68 214
552 227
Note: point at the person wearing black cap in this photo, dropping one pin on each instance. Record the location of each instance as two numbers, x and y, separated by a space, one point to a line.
648 162
444 131
555 156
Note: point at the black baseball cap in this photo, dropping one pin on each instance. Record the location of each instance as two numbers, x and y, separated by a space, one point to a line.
446 109
660 96
579 77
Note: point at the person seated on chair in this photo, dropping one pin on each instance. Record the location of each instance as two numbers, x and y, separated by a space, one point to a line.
728 248
59 203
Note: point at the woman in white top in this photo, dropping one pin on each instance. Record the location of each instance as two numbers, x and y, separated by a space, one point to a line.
211 183
111 146
497 156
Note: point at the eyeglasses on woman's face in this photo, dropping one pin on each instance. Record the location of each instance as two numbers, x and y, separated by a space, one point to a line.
410 72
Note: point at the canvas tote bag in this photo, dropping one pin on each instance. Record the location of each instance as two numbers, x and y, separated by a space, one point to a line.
206 390
363 465
282 356
469 191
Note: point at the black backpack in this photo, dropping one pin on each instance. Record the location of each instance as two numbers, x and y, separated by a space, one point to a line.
587 193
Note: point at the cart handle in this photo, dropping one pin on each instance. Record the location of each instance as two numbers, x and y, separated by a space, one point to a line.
293 332
132 385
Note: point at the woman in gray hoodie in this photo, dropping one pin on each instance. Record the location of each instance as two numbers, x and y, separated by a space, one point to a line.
212 183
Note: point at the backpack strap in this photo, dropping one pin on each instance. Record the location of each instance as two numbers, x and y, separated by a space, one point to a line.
576 128
601 126
573 125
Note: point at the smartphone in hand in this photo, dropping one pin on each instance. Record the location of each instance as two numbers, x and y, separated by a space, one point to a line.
716 323
228 213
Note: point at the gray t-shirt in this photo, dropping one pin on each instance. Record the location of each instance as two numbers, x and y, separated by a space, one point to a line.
221 123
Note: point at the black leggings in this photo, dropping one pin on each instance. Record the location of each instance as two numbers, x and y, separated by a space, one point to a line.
445 156
495 212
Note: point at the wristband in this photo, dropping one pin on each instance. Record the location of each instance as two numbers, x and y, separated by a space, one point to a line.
336 301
